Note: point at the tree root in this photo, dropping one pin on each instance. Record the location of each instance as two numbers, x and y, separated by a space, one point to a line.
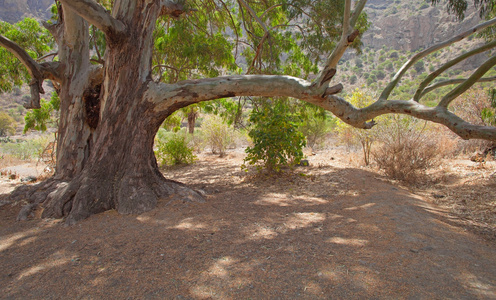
34 195
86 195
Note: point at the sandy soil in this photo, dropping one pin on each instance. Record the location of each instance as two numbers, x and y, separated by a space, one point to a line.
328 231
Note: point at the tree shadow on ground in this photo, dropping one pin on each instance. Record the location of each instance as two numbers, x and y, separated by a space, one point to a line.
318 233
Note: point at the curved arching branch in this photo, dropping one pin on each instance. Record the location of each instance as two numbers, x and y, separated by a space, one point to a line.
358 117
396 79
184 93
38 72
437 85
34 68
420 91
463 87
167 98
97 15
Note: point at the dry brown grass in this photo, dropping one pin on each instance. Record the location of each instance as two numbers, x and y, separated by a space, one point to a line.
7 160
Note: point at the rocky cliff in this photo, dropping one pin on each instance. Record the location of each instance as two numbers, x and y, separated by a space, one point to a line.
14 10
411 25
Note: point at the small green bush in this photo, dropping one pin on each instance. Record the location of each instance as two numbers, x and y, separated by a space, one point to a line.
7 124
174 150
277 142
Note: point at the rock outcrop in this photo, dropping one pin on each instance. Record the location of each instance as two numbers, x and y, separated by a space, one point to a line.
14 10
413 25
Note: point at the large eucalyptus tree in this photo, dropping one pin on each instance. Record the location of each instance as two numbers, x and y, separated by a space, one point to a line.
110 111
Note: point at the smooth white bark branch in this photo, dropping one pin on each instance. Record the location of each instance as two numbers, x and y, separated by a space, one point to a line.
347 37
437 85
169 97
346 18
462 88
96 15
420 91
189 92
396 79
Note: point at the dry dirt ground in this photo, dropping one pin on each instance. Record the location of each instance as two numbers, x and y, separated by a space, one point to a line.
328 231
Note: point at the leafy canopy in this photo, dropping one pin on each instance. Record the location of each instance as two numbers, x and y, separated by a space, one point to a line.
29 35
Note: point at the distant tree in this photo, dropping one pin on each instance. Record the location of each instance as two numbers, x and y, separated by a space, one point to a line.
7 124
419 67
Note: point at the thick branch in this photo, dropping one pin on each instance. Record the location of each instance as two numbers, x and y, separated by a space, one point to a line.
34 68
171 96
420 91
358 117
346 17
95 14
460 89
167 98
396 79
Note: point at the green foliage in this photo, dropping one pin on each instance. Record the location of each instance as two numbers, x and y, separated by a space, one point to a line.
182 46
173 149
7 124
394 54
488 114
419 66
277 142
316 127
29 35
172 122
458 7
217 134
39 119
358 62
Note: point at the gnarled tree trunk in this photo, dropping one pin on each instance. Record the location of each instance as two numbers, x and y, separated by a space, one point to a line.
119 169
110 114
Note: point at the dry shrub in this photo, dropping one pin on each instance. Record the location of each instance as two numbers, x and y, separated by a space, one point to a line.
470 107
408 148
218 135
448 142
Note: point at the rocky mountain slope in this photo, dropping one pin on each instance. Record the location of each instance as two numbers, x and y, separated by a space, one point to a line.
14 10
412 25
